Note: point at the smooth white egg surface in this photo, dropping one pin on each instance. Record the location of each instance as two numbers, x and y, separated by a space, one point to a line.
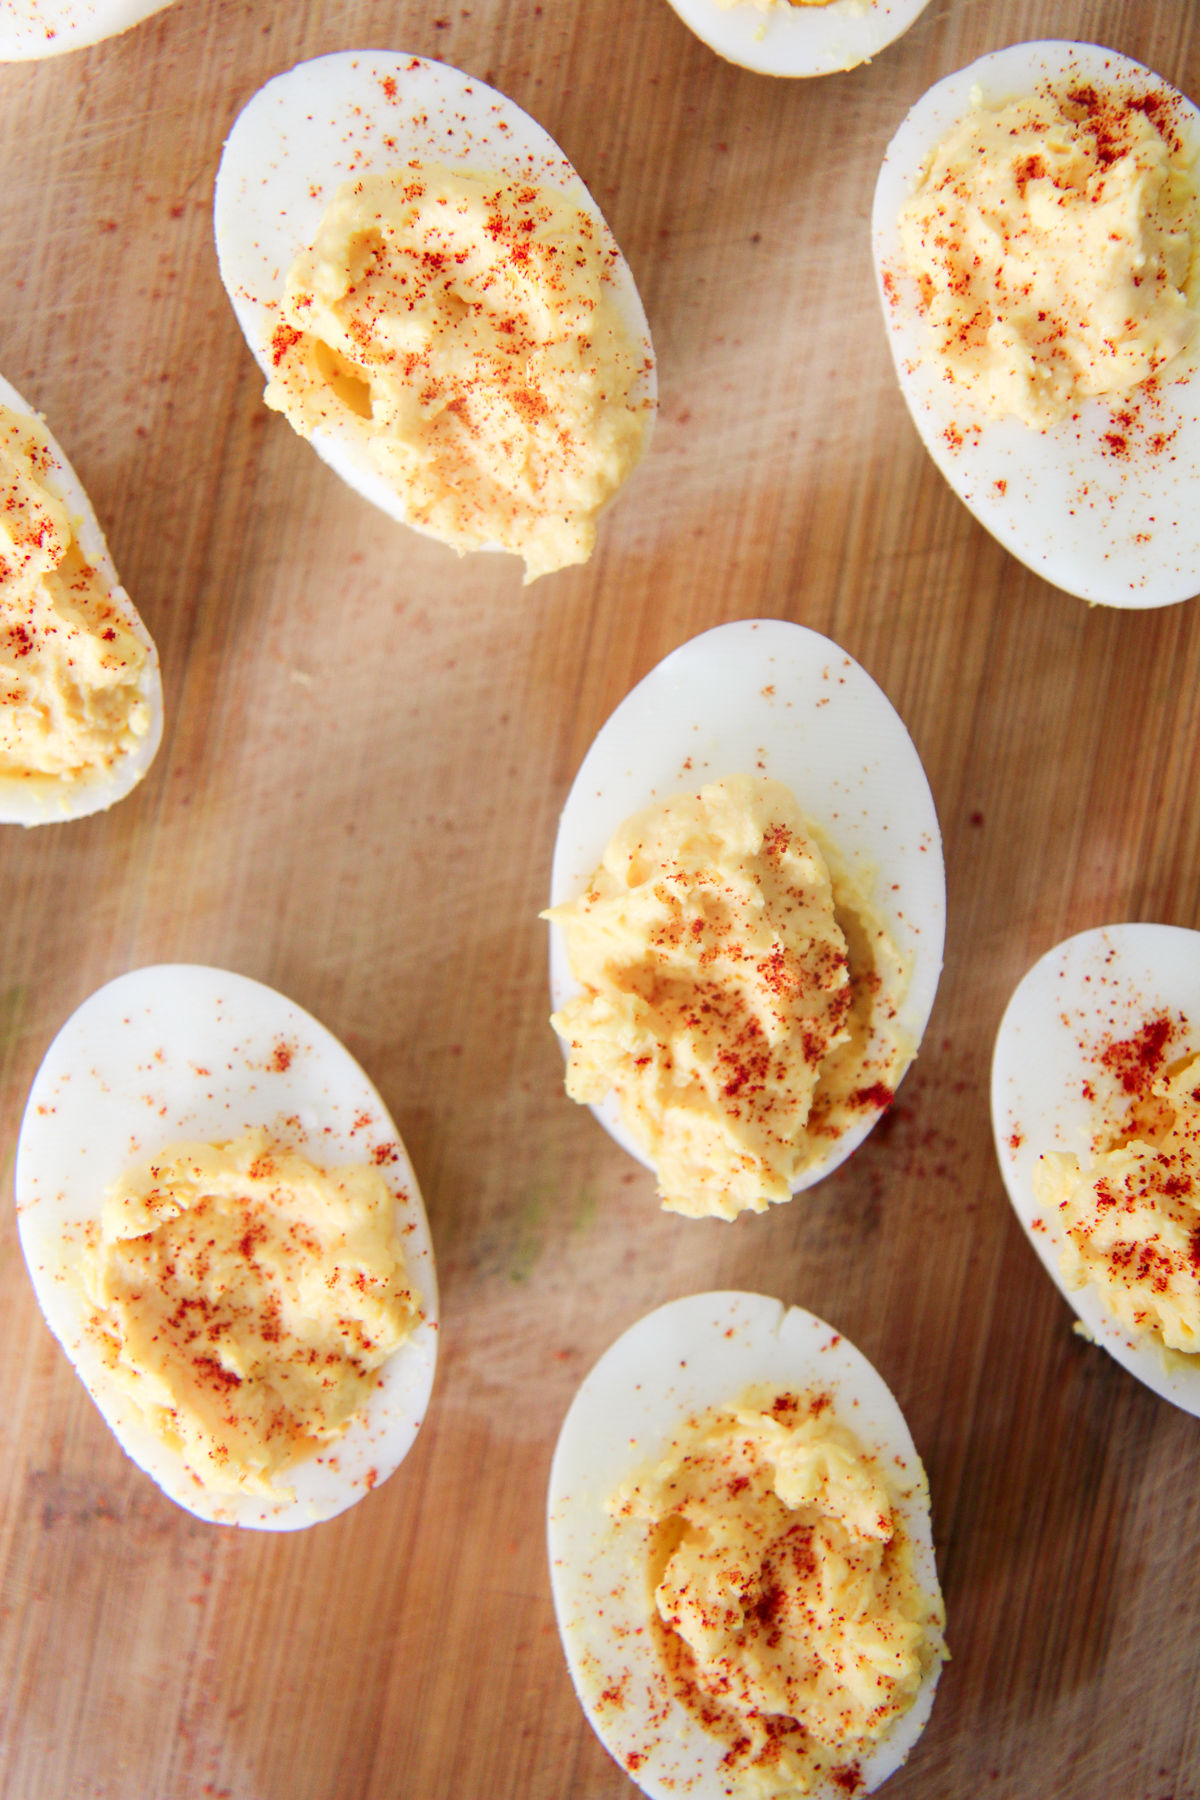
1056 1086
44 799
357 113
181 1052
35 28
766 697
785 39
1105 502
686 1357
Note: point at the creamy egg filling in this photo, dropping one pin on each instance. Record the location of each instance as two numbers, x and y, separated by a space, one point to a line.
784 1605
71 669
739 996
1056 243
770 5
460 330
245 1299
1129 1221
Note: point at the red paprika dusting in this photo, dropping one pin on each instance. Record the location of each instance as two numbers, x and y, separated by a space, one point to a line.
254 1235
211 1372
1138 1061
877 1095
284 338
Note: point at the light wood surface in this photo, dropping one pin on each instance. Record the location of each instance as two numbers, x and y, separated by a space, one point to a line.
366 749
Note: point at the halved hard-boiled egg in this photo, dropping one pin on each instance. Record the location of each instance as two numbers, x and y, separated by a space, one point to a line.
1096 1115
726 1465
81 712
809 37
1044 312
716 992
436 301
181 1066
35 28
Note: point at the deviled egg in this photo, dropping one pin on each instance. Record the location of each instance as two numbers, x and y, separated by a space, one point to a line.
34 28
196 1145
1096 1115
1037 246
81 714
436 301
748 911
798 37
724 1469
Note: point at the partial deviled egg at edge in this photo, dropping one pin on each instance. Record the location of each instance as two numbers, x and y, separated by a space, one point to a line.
82 716
30 29
1095 488
754 700
436 301
186 1055
776 37
1086 1050
623 1436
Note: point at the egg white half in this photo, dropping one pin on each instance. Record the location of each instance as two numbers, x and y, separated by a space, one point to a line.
692 1354
799 40
765 697
1089 991
1124 529
47 799
178 1052
360 112
36 28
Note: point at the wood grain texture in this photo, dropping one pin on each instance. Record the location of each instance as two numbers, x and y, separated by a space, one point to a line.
367 746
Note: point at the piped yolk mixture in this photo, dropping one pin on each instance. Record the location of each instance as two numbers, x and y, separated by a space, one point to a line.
459 330
245 1299
1056 243
785 1608
738 996
71 667
1128 1219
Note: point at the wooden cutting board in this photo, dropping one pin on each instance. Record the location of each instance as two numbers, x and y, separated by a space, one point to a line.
367 746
